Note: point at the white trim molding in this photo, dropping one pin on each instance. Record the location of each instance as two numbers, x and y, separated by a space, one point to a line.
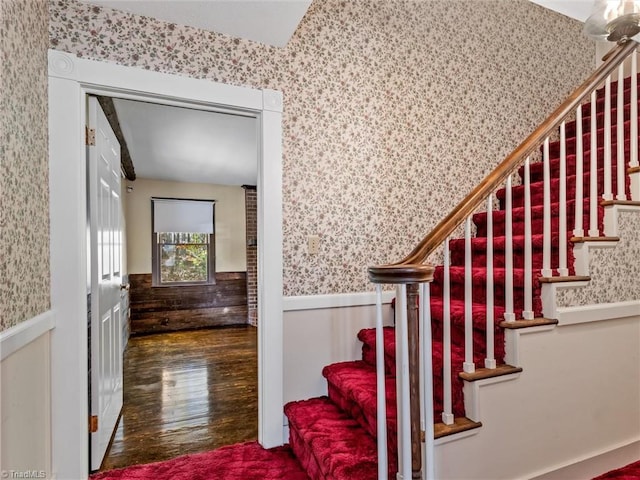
512 342
597 313
20 335
472 394
593 463
71 79
334 300
611 215
582 255
548 296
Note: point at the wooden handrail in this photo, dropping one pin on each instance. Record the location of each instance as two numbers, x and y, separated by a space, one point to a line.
412 268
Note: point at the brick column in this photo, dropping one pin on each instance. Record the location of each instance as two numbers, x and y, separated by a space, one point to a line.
251 213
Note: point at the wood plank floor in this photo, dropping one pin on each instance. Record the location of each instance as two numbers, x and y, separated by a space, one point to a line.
186 392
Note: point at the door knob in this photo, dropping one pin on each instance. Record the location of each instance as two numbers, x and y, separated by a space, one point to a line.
124 286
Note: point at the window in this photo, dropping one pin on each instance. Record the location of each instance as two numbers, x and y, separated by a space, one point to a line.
183 247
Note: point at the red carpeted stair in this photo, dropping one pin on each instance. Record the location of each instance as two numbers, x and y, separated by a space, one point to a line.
334 436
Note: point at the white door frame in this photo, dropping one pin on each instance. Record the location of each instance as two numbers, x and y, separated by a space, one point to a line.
70 80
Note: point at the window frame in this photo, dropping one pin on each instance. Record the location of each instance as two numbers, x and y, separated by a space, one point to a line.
156 246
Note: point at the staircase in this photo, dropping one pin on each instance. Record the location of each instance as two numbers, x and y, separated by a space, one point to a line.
566 174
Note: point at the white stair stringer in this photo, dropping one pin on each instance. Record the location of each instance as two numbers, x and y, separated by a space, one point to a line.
575 407
577 398
635 185
612 216
552 303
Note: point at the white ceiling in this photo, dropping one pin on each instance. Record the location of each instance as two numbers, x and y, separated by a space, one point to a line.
186 145
266 21
578 9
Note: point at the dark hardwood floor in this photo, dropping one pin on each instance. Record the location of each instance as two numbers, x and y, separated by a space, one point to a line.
186 392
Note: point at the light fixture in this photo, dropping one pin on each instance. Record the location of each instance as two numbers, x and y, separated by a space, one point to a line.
614 20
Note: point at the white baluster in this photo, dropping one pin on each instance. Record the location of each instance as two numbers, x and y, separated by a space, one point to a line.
578 231
634 111
509 314
490 360
562 230
633 146
546 219
447 414
381 393
527 313
468 365
593 173
402 384
607 195
427 375
621 164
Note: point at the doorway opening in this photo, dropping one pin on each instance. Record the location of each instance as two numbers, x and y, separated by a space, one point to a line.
182 241
71 79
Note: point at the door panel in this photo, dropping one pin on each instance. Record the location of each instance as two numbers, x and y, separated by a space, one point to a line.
106 264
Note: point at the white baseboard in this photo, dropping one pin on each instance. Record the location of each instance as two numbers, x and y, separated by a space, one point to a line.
15 338
597 313
336 300
594 464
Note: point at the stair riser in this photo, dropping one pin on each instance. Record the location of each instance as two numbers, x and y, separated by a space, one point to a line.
368 421
570 127
479 341
304 454
329 444
537 214
537 172
600 96
536 224
479 259
479 293
537 191
554 147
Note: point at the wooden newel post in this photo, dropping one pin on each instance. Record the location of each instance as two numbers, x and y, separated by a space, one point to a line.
412 275
413 332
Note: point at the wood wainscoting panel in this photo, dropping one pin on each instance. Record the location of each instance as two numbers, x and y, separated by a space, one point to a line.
173 308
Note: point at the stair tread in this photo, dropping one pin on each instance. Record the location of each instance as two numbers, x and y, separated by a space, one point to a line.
338 446
483 373
357 380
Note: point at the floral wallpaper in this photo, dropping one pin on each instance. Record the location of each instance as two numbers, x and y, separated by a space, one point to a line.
394 109
615 272
24 211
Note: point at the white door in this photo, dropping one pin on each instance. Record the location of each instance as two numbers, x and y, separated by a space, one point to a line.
106 277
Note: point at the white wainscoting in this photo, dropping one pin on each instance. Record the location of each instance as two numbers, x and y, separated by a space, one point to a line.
25 397
15 338
320 330
335 300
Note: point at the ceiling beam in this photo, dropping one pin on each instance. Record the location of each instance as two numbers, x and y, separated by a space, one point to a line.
125 160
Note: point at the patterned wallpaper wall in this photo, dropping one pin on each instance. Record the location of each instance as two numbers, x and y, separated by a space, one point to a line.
615 272
394 109
24 209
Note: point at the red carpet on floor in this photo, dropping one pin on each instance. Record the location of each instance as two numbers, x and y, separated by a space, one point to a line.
630 472
244 461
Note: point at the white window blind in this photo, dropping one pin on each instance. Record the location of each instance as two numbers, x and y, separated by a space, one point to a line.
182 216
